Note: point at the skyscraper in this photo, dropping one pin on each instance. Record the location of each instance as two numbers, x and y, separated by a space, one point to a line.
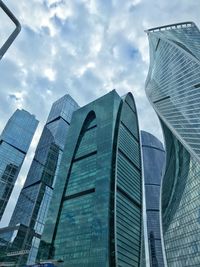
153 163
14 144
32 205
172 87
95 214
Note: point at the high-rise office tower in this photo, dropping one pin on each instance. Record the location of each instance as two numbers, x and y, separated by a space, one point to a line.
30 212
172 86
153 163
95 214
14 144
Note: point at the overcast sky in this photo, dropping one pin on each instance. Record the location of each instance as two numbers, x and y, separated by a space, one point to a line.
84 48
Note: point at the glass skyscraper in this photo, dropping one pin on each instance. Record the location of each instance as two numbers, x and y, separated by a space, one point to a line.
153 163
32 206
172 86
14 144
95 214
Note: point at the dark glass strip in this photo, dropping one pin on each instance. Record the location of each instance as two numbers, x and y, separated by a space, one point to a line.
85 156
90 128
128 196
161 99
197 85
56 119
152 210
130 106
38 182
129 131
83 193
157 43
14 147
129 160
154 147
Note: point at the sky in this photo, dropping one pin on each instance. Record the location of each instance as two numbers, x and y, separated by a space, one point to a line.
84 48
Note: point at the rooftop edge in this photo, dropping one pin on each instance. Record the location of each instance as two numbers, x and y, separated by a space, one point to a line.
172 26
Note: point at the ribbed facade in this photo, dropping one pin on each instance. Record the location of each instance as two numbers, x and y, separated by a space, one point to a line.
172 86
95 213
128 194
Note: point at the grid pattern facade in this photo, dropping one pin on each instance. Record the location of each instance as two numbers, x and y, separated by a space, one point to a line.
173 82
78 205
14 143
33 203
62 108
153 163
91 215
13 238
173 86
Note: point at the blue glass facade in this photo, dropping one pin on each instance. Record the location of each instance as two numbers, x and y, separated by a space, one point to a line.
153 164
32 205
172 87
94 217
14 143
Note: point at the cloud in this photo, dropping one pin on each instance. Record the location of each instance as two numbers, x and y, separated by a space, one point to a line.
84 48
14 97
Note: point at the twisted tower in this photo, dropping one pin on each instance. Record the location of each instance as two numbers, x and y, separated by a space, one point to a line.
173 88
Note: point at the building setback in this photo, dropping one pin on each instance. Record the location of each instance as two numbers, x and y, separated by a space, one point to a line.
95 214
172 87
153 163
30 212
14 144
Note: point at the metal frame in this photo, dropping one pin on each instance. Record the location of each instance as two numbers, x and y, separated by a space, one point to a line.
14 34
172 26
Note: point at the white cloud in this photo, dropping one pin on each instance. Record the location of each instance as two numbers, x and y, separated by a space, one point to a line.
50 74
18 97
85 48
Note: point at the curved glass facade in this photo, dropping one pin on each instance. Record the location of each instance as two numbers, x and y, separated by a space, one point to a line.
153 163
95 213
128 194
14 143
172 87
180 204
